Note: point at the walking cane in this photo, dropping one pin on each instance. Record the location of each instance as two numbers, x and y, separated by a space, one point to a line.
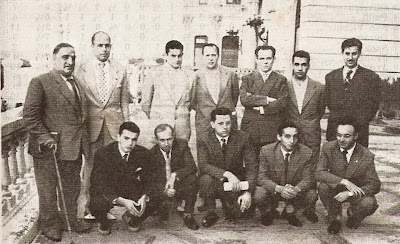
62 197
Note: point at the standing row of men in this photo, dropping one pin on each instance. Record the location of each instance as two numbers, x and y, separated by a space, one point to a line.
86 110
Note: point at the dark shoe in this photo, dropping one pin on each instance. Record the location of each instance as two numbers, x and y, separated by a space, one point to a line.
311 216
190 222
130 222
268 218
210 219
80 226
334 227
53 234
104 229
293 220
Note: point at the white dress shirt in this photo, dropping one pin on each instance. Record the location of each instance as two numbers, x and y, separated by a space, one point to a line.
347 69
349 152
300 88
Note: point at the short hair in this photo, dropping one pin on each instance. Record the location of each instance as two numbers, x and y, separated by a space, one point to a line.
210 45
349 121
351 43
61 45
220 111
98 32
161 128
273 50
287 124
130 126
301 54
174 44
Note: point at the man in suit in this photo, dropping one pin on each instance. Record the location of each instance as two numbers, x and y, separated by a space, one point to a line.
286 174
346 172
105 84
166 92
173 174
263 93
55 115
352 91
214 86
225 155
119 178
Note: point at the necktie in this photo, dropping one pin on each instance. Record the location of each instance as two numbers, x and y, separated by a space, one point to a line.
345 156
223 146
75 91
168 165
102 84
348 79
286 160
125 157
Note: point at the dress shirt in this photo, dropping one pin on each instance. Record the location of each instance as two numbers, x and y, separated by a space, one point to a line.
300 88
167 158
347 69
70 85
265 75
349 152
213 80
220 139
286 152
123 153
106 71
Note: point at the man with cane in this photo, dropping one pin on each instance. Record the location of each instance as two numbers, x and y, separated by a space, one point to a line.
56 118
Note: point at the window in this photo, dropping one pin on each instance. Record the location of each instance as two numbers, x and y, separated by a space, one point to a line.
233 1
203 2
230 51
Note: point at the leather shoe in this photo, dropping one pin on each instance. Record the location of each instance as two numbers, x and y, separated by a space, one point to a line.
334 227
267 218
293 220
104 228
210 219
130 222
53 234
190 222
80 226
311 216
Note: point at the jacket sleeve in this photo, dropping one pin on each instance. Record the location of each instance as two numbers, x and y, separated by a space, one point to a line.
251 165
204 159
306 176
280 103
125 96
373 185
248 99
189 164
33 111
322 103
235 88
322 173
263 179
147 93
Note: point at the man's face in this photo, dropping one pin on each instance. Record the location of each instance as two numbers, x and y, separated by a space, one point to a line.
64 61
101 47
174 58
351 56
165 139
289 138
222 125
265 60
300 68
210 56
346 136
127 140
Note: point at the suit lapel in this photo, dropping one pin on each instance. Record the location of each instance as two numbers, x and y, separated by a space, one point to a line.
114 79
310 91
90 80
293 164
258 82
203 79
279 163
83 101
223 81
269 83
292 95
65 91
216 146
354 162
230 147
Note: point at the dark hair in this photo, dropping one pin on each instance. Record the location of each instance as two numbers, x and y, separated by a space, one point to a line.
349 121
286 124
220 111
161 128
98 32
265 48
61 45
174 44
301 54
210 45
130 126
351 43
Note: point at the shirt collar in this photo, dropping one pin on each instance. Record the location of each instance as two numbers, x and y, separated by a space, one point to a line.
97 62
300 83
165 153
349 151
347 69
122 152
266 74
219 138
65 78
284 152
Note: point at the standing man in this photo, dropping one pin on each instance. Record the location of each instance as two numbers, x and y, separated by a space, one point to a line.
214 86
286 174
352 91
118 179
346 172
166 92
226 155
173 174
105 84
263 93
55 115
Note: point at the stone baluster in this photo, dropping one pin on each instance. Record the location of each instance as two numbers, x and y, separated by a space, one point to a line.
13 166
21 161
5 173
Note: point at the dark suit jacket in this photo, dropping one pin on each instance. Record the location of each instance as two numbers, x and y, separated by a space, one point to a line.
272 167
115 111
239 160
203 103
253 93
313 110
332 168
50 107
360 101
182 163
113 177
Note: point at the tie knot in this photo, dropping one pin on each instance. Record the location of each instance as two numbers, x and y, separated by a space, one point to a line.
125 157
102 64
348 75
168 154
223 141
344 152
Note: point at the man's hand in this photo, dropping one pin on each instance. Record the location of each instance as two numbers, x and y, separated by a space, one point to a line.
169 186
244 201
342 196
142 204
50 143
233 180
130 205
270 99
287 191
352 187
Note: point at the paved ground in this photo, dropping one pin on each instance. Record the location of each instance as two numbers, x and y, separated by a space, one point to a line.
382 227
